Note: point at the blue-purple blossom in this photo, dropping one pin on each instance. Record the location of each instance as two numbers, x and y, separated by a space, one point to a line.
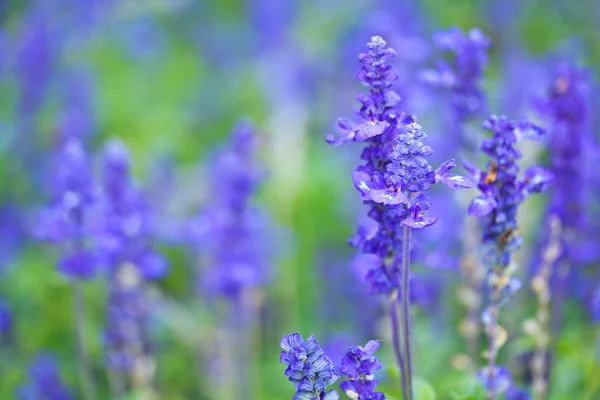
230 231
6 320
567 107
308 367
44 381
502 189
35 58
595 306
503 383
462 76
395 173
359 364
67 220
126 241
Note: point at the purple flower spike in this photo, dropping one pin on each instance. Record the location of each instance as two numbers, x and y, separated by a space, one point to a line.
358 365
308 368
463 75
503 190
443 176
68 219
45 381
126 235
234 236
391 182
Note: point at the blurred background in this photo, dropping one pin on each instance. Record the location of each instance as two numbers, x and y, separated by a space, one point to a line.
174 81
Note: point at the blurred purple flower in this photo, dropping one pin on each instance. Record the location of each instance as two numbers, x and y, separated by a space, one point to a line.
6 320
67 220
359 364
463 76
125 237
44 381
230 232
568 107
502 192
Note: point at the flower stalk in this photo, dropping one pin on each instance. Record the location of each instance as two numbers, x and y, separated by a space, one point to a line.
539 328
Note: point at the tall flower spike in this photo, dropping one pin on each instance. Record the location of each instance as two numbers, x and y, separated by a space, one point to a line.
66 221
567 106
463 75
230 231
308 367
126 241
502 192
392 182
358 365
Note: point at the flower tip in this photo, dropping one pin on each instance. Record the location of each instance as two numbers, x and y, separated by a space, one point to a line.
377 42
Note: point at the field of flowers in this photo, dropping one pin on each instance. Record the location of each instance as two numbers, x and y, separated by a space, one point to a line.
299 199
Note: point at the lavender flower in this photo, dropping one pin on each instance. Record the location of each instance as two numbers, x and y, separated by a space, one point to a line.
392 182
462 77
230 231
6 321
358 365
395 173
567 106
45 381
502 383
35 60
308 367
66 221
595 306
126 242
502 192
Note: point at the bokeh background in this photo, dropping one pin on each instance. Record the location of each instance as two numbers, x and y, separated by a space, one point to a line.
170 79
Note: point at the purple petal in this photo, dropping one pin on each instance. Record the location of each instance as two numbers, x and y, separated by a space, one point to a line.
332 140
372 346
419 222
388 196
362 182
527 130
369 129
454 181
364 263
393 98
537 178
290 341
445 167
481 206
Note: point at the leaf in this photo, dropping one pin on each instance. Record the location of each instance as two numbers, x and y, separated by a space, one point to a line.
423 390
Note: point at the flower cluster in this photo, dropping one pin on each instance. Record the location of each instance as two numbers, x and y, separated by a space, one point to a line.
308 367
45 382
395 173
230 232
503 383
125 239
567 104
358 365
463 76
502 190
67 221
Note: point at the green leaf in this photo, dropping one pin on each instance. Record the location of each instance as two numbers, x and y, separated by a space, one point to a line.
423 390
